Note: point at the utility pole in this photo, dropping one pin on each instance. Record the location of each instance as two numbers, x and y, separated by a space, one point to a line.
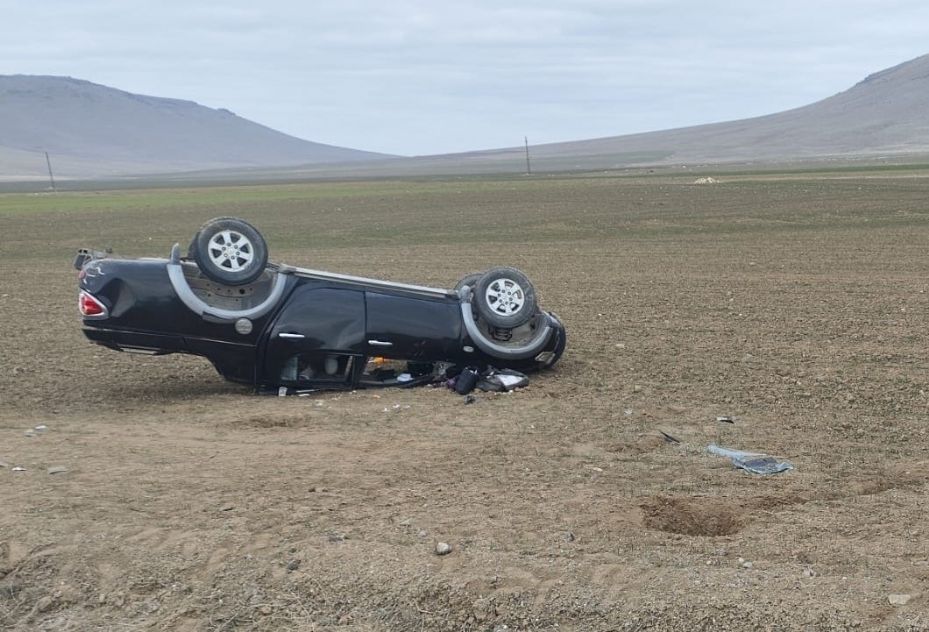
51 177
528 166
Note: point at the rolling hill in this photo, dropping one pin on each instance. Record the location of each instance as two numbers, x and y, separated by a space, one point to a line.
886 114
91 130
94 131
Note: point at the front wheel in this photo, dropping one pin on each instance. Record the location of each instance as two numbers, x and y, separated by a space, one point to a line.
505 298
230 251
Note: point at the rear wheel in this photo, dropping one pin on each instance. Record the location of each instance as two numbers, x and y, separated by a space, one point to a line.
230 251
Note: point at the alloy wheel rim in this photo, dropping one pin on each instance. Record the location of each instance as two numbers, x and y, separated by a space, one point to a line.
505 297
231 250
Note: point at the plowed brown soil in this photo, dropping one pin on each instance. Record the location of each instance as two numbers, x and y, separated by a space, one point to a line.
795 302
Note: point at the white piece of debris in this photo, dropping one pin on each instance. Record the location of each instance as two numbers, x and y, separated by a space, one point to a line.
443 548
18 468
899 599
706 180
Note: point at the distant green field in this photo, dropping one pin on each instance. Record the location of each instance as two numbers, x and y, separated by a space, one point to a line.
459 211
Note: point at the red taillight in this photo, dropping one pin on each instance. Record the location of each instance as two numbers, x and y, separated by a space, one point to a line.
90 306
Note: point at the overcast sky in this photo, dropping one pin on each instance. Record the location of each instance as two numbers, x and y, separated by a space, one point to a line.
417 77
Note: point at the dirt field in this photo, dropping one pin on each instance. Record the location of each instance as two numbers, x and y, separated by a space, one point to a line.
795 302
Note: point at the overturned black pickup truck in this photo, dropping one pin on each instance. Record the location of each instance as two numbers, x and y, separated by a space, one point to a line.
273 325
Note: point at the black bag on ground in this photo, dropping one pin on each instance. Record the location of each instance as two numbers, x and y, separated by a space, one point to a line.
466 381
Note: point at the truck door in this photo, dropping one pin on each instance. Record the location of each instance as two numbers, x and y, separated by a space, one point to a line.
411 328
318 339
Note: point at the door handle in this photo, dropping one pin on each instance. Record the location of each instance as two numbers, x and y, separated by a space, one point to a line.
285 334
380 343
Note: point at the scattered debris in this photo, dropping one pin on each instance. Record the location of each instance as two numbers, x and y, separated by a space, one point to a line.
443 548
899 599
668 437
568 536
397 407
57 469
465 382
469 399
753 462
499 380
706 180
726 419
293 565
809 572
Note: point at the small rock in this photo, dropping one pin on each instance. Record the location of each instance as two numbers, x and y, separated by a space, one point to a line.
406 522
422 533
568 536
809 572
469 399
265 610
41 428
636 388
293 565
443 548
30 433
57 469
4 464
747 565
44 604
18 468
899 599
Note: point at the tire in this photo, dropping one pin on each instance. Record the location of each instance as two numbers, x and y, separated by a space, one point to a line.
505 298
470 279
192 247
230 251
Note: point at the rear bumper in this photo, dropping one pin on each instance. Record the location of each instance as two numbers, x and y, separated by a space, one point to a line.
122 340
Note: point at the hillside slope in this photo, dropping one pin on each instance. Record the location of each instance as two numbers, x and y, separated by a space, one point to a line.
92 130
885 114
